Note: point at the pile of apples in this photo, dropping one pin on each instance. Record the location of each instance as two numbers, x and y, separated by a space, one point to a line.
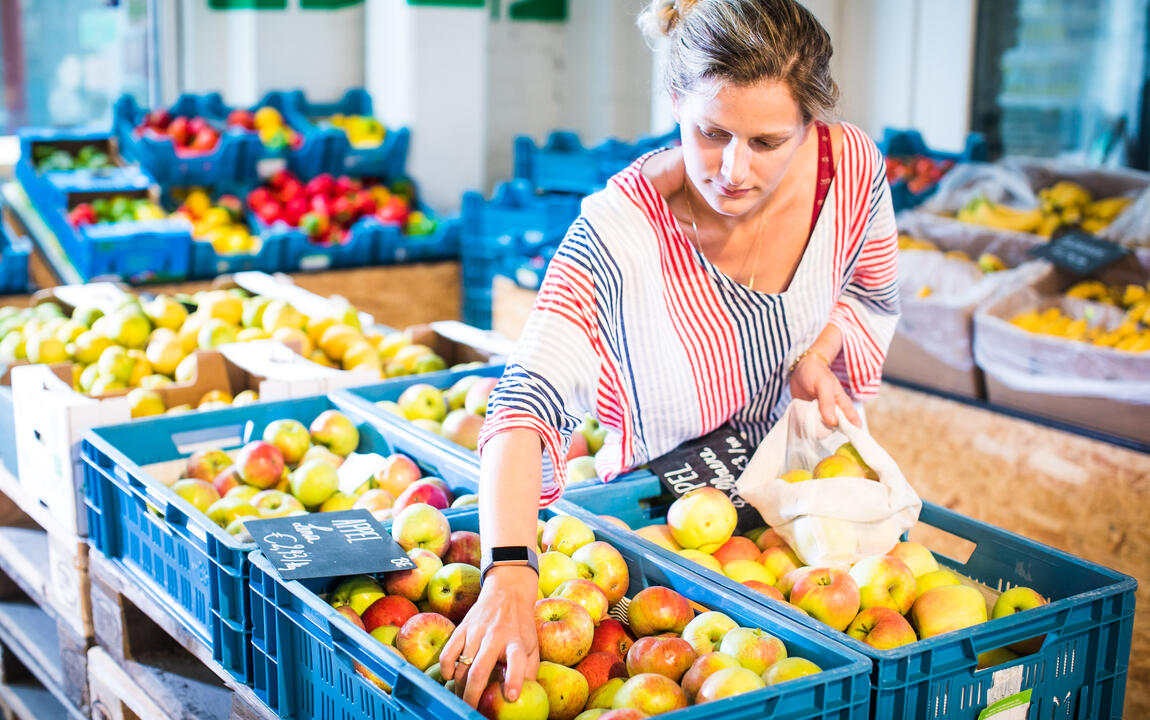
189 135
269 123
919 171
663 658
456 413
363 131
222 223
885 601
119 208
326 207
294 469
49 158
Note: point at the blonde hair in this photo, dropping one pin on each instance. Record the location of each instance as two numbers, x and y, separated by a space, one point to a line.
744 42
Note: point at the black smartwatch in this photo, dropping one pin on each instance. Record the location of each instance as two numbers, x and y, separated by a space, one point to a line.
507 555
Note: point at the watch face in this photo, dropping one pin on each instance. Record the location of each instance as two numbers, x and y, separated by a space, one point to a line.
509 554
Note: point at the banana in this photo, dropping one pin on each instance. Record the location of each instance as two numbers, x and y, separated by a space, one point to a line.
1089 290
989 262
1066 194
1107 208
981 211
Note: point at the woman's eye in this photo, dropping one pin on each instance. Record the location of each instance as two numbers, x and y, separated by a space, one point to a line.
712 134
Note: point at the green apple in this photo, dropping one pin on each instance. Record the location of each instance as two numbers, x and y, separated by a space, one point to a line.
200 493
423 402
359 592
313 482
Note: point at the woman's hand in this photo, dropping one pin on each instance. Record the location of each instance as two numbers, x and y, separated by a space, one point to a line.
813 380
499 627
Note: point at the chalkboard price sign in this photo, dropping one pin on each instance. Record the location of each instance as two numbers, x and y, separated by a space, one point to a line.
714 460
1079 252
348 542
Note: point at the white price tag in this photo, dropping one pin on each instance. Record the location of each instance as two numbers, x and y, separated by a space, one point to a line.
357 469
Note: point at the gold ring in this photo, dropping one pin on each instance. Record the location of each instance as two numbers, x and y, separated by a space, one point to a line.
464 660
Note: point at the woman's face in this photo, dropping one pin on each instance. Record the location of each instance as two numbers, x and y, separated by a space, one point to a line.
738 141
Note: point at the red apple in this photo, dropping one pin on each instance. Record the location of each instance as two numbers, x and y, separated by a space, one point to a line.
228 478
392 610
348 612
780 560
650 693
207 464
729 682
587 594
770 538
828 595
884 581
412 584
755 649
422 638
603 565
423 491
704 667
333 430
261 464
565 630
656 610
881 628
532 703
465 547
599 667
290 437
737 548
669 656
769 590
612 636
453 590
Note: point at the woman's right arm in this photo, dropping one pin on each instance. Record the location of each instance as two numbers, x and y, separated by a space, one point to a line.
501 624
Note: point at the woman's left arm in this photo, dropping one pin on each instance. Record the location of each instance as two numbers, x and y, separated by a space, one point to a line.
852 347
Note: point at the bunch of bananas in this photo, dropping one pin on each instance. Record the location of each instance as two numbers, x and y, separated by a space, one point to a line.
987 262
1063 204
1131 335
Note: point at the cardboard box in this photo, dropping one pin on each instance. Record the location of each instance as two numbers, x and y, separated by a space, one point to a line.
53 418
906 360
1098 388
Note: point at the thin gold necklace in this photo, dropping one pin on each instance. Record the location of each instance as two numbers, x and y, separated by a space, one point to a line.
699 243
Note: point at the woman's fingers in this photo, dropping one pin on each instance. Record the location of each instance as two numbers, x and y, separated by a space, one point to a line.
848 407
517 670
826 396
452 650
479 672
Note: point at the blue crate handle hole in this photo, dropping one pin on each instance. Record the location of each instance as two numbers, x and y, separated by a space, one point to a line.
227 436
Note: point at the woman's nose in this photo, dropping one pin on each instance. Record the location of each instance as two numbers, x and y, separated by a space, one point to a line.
736 163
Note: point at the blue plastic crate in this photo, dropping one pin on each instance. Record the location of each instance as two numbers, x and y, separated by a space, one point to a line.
207 264
147 251
1080 671
175 552
395 247
231 164
515 218
7 431
563 164
899 143
332 152
630 498
305 652
300 254
14 252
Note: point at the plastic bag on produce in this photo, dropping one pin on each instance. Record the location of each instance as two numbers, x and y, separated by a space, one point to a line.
938 294
1101 182
829 522
1037 363
996 182
1132 226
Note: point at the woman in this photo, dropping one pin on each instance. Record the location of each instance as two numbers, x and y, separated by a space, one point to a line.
706 284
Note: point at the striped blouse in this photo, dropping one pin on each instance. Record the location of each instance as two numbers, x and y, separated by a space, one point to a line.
635 326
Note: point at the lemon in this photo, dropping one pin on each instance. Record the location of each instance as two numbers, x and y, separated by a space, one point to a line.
144 403
164 312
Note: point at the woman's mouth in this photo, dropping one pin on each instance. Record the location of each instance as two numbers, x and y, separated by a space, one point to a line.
732 192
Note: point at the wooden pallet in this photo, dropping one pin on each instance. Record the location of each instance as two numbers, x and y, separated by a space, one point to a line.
159 656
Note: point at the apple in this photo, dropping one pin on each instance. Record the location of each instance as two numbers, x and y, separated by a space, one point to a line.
532 703
237 529
565 630
555 568
423 526
465 500
223 511
314 482
603 565
706 630
737 548
837 466
780 560
656 610
604 697
917 557
936 578
422 637
578 447
666 655
744 570
1018 599
351 615
475 402
319 452
769 590
273 503
358 591
728 682
612 636
621 714
228 479
457 393
581 469
789 669
247 492
260 464
884 581
422 401
465 547
798 475
423 491
587 594
997 656
650 693
618 522
599 667
462 428
207 464
335 431
565 534
787 582
947 608
290 437
390 610
847 450
770 538
881 628
593 433
829 595
660 535
453 589
374 500
702 519
567 690
397 474
199 493
755 649
702 558
412 584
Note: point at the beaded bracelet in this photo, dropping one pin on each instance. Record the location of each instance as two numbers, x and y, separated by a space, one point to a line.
803 354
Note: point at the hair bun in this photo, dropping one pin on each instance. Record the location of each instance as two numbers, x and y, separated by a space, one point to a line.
662 16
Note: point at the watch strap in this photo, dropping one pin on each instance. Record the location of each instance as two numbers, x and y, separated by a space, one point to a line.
507 555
